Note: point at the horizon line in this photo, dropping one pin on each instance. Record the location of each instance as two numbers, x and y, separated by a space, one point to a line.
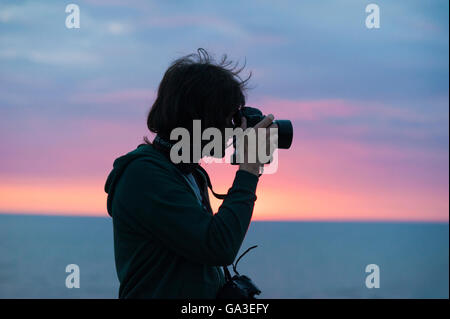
306 220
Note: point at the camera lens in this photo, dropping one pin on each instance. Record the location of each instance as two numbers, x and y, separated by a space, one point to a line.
285 133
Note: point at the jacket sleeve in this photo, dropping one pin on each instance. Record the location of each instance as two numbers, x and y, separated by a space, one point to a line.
165 207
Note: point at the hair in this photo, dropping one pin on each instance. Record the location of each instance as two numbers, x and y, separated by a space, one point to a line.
195 86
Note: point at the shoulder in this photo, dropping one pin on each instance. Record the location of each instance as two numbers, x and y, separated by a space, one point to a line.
149 158
151 166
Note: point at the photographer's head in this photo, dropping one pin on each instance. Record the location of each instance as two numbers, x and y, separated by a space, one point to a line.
196 87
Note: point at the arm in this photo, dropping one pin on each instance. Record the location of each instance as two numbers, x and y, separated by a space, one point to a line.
167 209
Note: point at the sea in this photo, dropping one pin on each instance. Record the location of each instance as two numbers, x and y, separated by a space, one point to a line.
293 259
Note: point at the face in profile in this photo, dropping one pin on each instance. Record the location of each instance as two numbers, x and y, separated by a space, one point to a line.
225 134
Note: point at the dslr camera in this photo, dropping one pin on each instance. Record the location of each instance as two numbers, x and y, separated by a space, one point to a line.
253 117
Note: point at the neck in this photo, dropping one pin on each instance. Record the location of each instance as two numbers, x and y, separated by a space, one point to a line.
165 146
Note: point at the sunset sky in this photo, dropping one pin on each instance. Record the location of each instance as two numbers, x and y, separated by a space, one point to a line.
370 107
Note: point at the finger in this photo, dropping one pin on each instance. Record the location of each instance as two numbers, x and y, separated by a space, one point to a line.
266 121
271 131
273 141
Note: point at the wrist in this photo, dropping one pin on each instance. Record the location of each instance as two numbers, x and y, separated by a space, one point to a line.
253 169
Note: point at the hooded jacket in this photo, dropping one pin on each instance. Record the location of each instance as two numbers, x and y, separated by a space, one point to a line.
166 244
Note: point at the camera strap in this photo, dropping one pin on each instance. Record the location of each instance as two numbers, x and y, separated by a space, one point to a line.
208 182
225 268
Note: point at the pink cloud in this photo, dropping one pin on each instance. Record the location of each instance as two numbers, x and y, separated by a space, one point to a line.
309 110
313 110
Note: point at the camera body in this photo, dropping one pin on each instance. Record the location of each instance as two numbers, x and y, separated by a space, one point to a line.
238 287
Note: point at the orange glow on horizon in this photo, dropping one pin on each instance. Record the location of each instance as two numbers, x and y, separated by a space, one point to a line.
52 197
87 198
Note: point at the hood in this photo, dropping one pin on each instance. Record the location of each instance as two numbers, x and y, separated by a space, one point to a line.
119 166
